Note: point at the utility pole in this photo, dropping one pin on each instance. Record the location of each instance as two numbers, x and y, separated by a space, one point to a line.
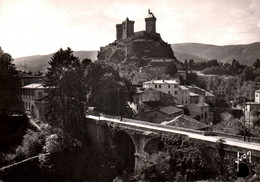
249 123
244 120
118 106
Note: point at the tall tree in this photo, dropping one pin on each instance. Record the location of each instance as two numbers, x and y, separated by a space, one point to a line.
66 91
9 83
107 90
171 70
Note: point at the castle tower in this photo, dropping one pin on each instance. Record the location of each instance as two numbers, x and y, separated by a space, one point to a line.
127 28
150 26
119 31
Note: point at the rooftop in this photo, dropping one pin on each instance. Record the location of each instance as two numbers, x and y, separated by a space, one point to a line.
170 110
183 87
185 121
162 82
192 94
34 86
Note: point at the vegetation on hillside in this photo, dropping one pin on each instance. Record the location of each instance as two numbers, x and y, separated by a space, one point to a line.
9 83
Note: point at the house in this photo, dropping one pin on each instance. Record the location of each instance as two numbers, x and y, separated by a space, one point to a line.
252 107
181 73
138 78
194 98
151 97
162 114
32 99
27 79
200 111
204 95
170 87
183 95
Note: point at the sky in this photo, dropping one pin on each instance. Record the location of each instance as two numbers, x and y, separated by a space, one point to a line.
38 27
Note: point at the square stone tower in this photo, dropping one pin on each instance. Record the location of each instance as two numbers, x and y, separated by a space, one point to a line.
124 30
150 23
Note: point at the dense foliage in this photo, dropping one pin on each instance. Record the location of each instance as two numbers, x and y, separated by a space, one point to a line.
107 90
9 83
66 92
184 159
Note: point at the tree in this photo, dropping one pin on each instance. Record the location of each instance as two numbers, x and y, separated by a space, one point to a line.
66 91
256 64
248 74
107 90
171 70
9 83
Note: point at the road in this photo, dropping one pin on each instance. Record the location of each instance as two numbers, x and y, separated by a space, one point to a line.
228 141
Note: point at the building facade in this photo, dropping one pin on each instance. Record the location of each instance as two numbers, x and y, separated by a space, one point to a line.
32 98
170 87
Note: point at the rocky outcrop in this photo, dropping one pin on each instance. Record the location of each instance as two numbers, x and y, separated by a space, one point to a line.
139 49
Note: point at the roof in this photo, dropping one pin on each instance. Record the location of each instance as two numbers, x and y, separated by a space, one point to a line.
145 90
34 86
192 94
209 94
162 82
170 110
202 104
257 91
183 87
185 121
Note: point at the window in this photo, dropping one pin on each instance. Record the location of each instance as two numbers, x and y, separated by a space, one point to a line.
169 86
155 86
176 92
159 86
169 92
40 94
155 115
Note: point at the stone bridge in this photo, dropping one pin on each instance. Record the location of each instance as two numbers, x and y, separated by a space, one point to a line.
133 137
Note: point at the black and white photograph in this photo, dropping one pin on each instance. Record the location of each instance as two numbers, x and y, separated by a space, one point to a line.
129 91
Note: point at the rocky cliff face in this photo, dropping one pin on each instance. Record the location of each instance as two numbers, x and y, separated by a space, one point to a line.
138 49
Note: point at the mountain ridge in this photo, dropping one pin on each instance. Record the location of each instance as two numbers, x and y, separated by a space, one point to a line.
244 53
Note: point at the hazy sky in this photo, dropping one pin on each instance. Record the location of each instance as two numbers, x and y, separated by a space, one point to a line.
32 27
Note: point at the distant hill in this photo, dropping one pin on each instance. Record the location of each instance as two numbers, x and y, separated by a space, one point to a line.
41 62
182 56
245 54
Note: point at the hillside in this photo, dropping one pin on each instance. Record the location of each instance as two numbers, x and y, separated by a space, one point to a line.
40 62
245 54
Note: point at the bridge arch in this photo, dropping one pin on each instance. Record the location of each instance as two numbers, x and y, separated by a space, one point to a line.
244 169
154 145
126 149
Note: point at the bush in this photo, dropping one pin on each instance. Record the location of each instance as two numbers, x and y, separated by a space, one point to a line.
31 145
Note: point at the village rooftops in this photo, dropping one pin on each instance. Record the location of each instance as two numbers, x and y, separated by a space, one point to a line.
34 86
170 110
185 122
174 82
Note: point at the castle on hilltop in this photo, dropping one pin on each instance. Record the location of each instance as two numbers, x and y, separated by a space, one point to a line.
126 28
132 50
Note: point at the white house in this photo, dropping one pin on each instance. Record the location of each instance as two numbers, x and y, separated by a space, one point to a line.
167 86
